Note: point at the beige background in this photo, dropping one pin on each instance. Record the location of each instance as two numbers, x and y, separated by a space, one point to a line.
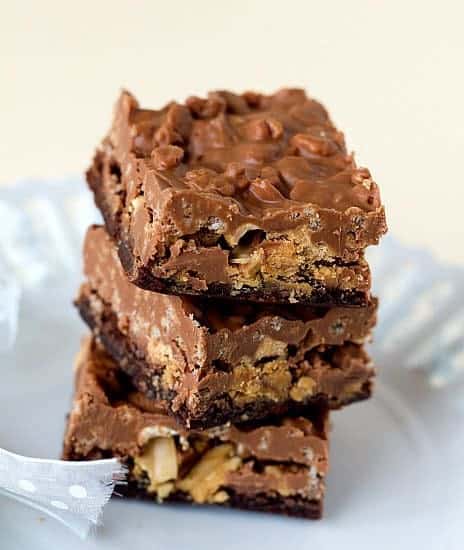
391 74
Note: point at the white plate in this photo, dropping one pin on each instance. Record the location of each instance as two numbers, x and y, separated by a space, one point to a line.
396 478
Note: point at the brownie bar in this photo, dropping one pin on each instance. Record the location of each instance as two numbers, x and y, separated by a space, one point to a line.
224 361
246 196
278 466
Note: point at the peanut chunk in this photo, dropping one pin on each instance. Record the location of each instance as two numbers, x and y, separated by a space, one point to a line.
207 476
159 461
303 388
166 156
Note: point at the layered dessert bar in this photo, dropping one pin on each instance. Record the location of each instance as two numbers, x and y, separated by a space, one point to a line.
218 361
246 196
278 466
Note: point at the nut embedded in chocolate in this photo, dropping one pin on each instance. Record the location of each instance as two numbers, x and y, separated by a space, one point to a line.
166 156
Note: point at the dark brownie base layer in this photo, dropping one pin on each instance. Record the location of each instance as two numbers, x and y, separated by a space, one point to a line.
144 278
226 412
292 506
223 409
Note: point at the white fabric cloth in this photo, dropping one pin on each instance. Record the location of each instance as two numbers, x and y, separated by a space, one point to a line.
72 492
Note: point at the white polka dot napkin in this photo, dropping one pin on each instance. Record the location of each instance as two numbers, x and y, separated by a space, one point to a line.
71 492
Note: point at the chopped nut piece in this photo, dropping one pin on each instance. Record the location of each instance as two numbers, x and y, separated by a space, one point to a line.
166 156
262 129
207 476
159 461
164 460
265 191
314 145
303 388
220 497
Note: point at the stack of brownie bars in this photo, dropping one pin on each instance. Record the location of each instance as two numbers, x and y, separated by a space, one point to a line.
228 299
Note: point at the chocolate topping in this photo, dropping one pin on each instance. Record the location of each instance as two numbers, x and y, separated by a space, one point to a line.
287 132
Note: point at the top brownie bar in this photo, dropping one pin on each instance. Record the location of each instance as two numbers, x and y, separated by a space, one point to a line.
245 196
